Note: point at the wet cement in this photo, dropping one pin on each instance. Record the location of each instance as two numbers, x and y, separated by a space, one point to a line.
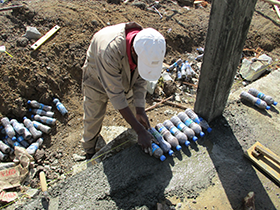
131 179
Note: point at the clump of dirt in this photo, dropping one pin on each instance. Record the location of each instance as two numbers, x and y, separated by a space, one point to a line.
54 69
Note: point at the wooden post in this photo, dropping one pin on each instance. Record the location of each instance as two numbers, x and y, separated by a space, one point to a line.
227 31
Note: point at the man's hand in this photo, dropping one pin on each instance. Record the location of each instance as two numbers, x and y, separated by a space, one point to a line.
145 141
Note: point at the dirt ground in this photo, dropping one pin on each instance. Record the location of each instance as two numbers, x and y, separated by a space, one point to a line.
54 69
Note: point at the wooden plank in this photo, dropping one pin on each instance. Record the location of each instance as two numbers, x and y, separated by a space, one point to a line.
10 8
45 37
266 161
227 31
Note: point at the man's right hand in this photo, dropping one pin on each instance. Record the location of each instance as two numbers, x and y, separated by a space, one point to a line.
145 141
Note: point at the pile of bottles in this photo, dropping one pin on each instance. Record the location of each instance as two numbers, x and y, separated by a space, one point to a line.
29 132
258 99
179 130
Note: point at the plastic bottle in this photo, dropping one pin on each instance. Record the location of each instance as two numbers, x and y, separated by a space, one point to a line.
254 100
44 119
188 122
179 74
172 140
35 133
8 127
199 57
36 104
204 124
21 140
164 145
200 49
4 147
188 69
41 127
60 107
268 99
157 152
11 141
18 127
42 112
178 62
34 146
182 127
26 134
3 157
182 138
192 115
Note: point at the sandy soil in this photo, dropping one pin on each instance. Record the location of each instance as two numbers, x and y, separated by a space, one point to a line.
55 68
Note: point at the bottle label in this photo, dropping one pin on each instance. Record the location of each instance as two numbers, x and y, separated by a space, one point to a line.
258 102
154 147
33 147
173 130
180 126
260 95
188 122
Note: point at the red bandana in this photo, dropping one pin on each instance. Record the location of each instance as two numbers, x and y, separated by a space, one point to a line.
130 33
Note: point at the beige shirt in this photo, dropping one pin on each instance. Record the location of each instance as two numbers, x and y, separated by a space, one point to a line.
107 68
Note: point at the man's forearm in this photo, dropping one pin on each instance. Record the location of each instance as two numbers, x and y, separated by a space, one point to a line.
131 119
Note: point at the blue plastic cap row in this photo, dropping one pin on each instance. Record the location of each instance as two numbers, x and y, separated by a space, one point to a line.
267 108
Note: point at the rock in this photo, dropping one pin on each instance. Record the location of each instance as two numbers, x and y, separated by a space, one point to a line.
169 88
32 33
39 155
185 2
22 42
77 157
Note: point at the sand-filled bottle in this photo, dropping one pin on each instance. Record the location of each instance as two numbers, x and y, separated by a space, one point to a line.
157 152
44 119
28 124
190 123
41 127
60 107
182 127
18 127
172 140
21 140
34 146
164 145
4 147
8 127
12 142
254 100
182 138
26 134
268 99
42 112
204 124
3 156
36 104
177 63
192 115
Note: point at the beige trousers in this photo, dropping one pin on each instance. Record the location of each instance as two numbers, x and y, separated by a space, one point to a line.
95 104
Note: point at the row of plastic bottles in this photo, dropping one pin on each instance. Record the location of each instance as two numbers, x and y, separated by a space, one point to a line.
184 69
45 110
176 132
258 99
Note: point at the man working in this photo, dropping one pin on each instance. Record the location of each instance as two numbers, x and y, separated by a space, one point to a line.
119 60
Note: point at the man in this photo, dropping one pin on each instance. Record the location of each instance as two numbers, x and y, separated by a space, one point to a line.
119 60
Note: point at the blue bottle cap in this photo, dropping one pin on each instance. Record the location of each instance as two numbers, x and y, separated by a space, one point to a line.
30 109
170 152
178 147
162 158
28 102
202 134
267 108
187 143
24 118
32 116
14 138
209 130
194 138
275 103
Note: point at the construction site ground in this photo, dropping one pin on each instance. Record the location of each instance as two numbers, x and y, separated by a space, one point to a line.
212 173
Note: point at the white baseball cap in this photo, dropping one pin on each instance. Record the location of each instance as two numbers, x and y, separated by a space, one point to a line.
150 48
